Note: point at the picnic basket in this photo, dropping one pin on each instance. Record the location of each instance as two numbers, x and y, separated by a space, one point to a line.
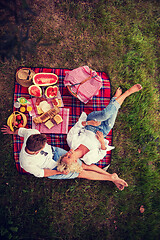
83 83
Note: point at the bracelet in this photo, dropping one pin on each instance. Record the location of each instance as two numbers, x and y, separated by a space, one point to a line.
86 123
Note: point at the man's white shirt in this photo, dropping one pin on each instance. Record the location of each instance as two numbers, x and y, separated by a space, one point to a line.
36 163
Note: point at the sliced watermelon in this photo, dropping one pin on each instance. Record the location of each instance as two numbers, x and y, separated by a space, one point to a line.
35 91
51 91
45 79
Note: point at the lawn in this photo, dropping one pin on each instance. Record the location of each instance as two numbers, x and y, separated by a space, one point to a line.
122 38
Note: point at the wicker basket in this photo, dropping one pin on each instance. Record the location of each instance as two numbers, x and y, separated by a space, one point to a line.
24 77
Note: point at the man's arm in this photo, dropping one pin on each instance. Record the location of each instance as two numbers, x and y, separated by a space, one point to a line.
6 130
50 172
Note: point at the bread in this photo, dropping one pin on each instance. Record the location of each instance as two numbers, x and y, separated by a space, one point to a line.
58 119
45 106
39 110
44 117
47 115
49 124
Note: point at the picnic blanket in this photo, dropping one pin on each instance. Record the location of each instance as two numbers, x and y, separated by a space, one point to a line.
75 106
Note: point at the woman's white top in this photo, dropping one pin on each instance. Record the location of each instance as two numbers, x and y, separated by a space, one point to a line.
79 135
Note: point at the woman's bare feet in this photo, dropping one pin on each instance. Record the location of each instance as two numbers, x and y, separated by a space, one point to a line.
135 88
120 183
118 92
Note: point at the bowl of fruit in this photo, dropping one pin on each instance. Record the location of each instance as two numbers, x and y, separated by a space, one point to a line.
16 120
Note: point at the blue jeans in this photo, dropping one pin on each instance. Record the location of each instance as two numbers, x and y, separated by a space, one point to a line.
107 118
57 152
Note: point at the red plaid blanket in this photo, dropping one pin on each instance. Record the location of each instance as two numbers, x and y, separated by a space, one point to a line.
76 108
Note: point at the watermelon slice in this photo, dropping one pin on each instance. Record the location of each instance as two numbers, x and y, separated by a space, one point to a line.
45 79
51 91
35 91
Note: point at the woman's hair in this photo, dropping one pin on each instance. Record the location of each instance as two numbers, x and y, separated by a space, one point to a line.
35 142
72 167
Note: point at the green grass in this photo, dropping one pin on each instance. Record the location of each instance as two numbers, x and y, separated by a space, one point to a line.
121 38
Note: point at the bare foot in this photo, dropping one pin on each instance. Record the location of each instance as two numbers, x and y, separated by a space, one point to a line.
118 92
135 88
120 183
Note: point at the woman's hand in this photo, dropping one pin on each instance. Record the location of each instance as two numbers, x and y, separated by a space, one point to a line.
6 130
99 136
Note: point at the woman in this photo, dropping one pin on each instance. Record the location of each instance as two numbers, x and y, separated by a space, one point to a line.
87 136
86 140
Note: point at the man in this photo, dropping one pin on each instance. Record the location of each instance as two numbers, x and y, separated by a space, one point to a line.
40 159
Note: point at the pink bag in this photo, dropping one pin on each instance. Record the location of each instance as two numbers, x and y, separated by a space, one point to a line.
83 83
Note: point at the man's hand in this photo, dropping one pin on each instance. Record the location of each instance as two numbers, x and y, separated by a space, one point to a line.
99 136
6 130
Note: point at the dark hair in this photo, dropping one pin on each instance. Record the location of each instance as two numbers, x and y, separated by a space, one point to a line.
35 142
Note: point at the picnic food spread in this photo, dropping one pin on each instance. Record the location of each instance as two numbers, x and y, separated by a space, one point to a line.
42 87
48 115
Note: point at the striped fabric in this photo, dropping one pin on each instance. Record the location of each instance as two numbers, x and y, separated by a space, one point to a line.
75 109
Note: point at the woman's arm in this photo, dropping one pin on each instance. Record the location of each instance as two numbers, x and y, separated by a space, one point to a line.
100 138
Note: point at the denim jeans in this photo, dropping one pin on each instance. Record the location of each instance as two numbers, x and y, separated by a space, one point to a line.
107 118
57 152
